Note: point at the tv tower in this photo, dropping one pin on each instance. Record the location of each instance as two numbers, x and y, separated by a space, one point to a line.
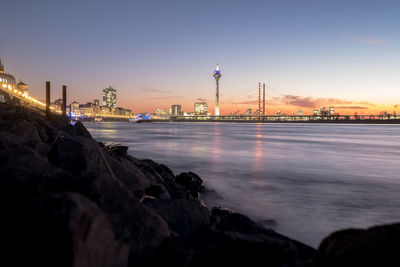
217 75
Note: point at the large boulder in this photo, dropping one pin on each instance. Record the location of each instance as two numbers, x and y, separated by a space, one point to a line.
376 246
190 180
236 240
183 216
114 190
84 157
57 229
161 169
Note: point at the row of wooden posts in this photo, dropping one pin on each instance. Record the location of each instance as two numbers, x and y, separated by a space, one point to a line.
64 100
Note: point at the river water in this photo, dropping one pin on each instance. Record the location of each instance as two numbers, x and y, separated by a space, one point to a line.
302 180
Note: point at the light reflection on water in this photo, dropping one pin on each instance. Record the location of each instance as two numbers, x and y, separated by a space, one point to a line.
311 179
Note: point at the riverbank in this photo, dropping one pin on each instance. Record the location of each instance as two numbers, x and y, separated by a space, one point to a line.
71 201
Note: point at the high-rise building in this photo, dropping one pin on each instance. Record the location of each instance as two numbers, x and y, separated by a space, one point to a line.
249 112
160 112
217 75
200 108
110 97
176 110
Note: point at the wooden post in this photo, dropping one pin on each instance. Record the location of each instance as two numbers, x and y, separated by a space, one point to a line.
47 99
64 102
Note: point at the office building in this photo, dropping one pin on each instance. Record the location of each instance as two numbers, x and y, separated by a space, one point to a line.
176 110
200 108
110 97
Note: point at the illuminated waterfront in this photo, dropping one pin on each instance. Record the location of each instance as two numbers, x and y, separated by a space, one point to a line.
311 179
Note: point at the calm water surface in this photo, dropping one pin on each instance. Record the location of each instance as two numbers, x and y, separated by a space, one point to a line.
311 179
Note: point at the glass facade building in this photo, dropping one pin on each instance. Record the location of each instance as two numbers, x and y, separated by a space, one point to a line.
110 97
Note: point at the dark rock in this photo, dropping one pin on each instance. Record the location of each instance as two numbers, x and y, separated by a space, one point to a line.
161 169
157 191
77 155
132 222
241 224
24 170
68 129
80 130
182 216
57 230
83 156
220 211
149 172
190 181
376 246
119 150
217 248
175 190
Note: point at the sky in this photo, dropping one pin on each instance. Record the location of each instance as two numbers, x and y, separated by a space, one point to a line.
338 53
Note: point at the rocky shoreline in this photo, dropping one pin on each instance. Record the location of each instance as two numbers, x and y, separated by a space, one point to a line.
68 200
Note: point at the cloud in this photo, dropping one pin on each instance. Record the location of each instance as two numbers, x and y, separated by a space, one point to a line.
167 97
299 101
201 99
369 40
396 106
250 102
311 102
352 107
153 90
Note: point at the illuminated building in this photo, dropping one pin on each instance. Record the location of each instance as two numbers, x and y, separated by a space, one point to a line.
110 97
8 84
331 111
22 87
322 111
7 81
299 112
176 110
315 112
160 112
75 109
249 111
200 108
96 102
217 75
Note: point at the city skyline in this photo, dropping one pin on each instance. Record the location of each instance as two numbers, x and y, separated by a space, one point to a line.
314 54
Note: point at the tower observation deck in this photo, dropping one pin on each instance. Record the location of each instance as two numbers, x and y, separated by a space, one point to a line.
217 75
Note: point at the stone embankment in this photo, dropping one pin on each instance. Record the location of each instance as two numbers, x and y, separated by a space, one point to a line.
68 200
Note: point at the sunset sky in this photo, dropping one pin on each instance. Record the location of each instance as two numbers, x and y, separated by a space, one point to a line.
338 53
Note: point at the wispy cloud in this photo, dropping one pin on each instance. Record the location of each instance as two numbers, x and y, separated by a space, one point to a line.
153 90
167 97
311 102
250 102
352 107
201 99
369 40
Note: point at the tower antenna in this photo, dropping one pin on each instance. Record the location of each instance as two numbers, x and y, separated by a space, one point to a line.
217 75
